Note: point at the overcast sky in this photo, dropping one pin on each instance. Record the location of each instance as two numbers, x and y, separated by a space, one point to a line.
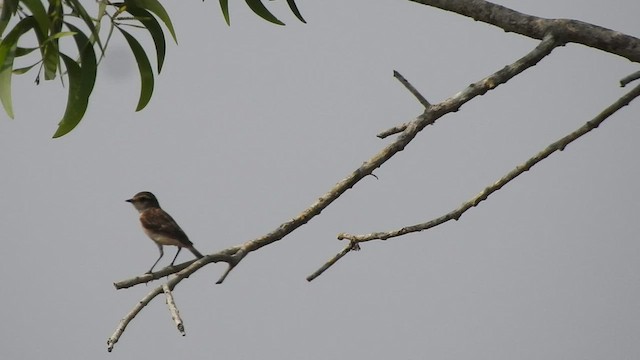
249 124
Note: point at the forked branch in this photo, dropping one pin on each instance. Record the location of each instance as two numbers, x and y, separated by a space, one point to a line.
553 32
235 254
510 176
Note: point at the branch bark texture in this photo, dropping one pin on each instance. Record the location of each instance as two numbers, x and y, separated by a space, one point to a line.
551 32
565 30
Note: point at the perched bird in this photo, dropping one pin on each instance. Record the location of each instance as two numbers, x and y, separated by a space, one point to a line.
160 226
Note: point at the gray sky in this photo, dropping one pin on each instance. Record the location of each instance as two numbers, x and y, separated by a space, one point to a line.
250 124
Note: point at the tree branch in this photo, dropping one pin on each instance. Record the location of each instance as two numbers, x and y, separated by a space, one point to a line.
484 194
226 255
392 131
566 30
553 32
452 104
173 309
351 246
111 341
235 254
490 82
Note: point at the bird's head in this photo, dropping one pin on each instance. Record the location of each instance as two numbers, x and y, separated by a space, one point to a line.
144 200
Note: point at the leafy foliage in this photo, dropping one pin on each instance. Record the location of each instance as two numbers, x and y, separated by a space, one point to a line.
53 21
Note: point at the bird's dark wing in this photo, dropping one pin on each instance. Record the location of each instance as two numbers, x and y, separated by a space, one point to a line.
157 221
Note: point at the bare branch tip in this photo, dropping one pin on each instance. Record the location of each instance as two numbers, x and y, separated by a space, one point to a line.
412 89
629 78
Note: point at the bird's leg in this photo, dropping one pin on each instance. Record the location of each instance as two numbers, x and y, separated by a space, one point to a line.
155 263
175 257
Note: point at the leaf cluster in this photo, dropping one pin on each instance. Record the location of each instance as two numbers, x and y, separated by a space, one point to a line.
54 21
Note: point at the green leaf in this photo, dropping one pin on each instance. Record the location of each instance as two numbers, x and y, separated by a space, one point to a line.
146 73
258 8
23 70
294 9
39 14
50 49
82 78
151 24
20 51
8 47
51 59
102 10
12 5
9 8
60 35
77 101
88 20
88 62
224 5
155 7
5 16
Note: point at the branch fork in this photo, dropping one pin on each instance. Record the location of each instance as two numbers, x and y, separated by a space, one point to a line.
552 34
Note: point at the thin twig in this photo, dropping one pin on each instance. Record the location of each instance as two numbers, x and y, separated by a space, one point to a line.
173 309
130 316
411 89
478 88
235 259
629 78
351 246
392 131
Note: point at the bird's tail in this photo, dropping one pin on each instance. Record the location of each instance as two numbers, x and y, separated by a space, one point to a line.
195 252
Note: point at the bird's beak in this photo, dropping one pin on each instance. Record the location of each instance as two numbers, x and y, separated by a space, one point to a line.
129 200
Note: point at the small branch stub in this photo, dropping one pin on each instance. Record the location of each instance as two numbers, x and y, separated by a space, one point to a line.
412 89
351 246
629 78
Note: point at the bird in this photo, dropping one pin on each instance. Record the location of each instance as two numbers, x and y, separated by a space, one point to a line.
160 226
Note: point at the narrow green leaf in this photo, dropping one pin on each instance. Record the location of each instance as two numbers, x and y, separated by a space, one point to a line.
260 10
20 51
146 73
5 81
23 70
5 16
9 8
88 20
12 5
224 5
88 62
39 14
50 49
76 101
152 25
155 7
51 59
8 47
82 78
102 11
294 9
60 35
